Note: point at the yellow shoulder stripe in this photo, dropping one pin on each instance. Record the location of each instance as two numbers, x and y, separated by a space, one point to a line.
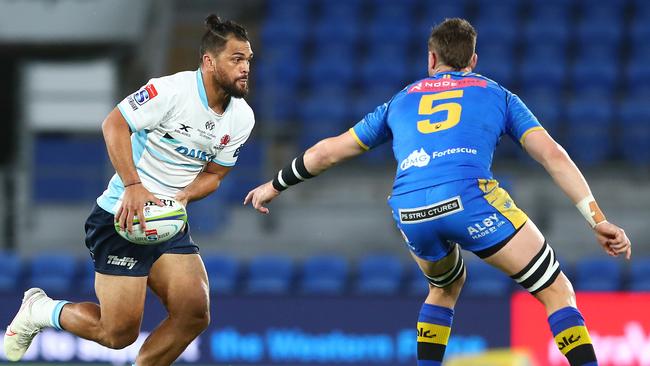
358 140
532 129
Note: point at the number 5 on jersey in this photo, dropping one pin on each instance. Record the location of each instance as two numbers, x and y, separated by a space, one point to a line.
453 111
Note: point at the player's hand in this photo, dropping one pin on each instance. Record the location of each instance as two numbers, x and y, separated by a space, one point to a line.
260 196
133 201
613 239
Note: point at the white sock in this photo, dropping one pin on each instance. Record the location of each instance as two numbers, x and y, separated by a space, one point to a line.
46 312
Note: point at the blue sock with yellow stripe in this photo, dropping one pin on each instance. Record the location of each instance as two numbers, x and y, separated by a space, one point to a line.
572 337
434 327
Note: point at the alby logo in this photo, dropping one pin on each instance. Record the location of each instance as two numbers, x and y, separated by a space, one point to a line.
426 333
195 153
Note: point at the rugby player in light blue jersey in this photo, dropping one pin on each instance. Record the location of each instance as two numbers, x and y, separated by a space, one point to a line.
444 130
178 136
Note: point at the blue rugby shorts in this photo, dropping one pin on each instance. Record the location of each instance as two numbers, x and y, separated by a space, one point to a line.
475 213
114 255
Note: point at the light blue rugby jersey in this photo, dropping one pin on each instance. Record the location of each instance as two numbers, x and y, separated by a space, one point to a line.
445 128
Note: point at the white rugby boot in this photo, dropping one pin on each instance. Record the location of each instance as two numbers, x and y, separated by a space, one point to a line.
23 329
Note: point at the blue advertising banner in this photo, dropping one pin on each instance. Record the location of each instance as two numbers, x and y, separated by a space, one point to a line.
295 330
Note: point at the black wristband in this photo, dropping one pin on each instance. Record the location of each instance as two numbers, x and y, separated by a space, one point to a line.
292 174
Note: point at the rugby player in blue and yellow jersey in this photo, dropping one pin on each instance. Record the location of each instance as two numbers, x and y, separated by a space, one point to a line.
444 130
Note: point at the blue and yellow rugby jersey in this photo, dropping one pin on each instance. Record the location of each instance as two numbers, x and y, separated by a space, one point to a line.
445 128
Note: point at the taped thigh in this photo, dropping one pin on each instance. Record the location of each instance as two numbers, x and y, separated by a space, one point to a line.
540 272
452 275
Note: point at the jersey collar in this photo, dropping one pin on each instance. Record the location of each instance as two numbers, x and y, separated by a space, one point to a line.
199 83
204 97
454 73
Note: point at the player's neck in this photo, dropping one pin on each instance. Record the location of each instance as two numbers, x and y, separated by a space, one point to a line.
444 68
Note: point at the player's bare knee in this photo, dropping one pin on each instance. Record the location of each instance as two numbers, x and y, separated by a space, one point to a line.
560 291
118 335
194 318
120 339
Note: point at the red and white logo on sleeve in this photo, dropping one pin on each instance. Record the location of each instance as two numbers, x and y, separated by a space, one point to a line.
145 94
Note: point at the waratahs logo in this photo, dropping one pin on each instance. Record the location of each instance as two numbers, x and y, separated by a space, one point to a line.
416 158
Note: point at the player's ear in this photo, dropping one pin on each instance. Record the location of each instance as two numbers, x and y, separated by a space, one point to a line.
432 62
473 61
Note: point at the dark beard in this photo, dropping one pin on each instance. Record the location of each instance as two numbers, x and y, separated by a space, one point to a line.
230 87
233 90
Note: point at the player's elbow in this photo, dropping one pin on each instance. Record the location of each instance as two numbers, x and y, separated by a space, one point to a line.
322 155
554 156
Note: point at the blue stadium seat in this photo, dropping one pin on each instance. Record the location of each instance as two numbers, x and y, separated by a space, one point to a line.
639 275
207 216
547 32
379 274
270 274
538 74
432 12
599 31
10 271
328 31
547 107
602 11
634 114
483 279
595 74
288 11
330 66
392 72
496 33
551 11
276 31
392 11
52 271
637 76
545 52
324 274
640 31
497 62
324 106
590 119
223 272
339 12
598 274
380 32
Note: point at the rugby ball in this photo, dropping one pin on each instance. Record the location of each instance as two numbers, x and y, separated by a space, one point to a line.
163 222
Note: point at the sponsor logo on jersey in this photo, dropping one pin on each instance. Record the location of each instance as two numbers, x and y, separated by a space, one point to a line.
145 94
418 158
127 262
132 103
209 125
195 153
427 86
430 212
487 226
454 150
185 128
